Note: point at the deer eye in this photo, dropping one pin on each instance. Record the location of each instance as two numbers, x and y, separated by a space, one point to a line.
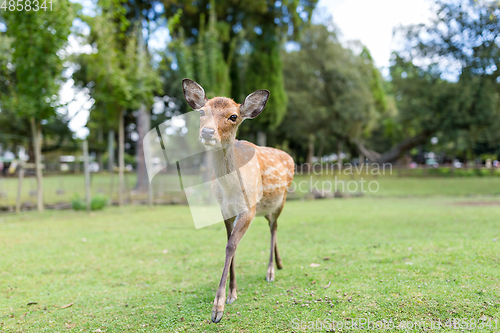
202 113
233 117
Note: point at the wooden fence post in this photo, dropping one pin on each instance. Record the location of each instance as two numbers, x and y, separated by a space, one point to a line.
150 193
87 173
19 187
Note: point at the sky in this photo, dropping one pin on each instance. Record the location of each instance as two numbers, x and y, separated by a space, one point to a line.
372 22
369 21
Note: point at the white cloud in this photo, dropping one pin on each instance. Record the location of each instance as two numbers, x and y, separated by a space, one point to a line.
372 22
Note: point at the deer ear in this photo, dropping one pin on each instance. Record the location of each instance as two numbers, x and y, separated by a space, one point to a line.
254 104
194 94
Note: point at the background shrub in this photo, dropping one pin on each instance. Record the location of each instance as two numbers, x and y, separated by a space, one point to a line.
98 202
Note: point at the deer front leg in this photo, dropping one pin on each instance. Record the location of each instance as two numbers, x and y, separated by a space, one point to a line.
231 298
241 226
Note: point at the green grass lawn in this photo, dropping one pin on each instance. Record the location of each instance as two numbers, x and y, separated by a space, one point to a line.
394 186
147 269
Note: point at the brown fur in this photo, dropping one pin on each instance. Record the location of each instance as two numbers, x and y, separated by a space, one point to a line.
221 103
263 175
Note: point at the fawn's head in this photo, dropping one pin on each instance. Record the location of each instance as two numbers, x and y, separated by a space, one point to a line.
221 116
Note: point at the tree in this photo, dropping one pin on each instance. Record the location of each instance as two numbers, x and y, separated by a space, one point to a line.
16 127
250 35
118 77
265 71
329 91
463 36
203 61
37 37
145 15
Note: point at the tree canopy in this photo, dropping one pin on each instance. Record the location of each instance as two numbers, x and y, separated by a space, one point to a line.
330 91
445 78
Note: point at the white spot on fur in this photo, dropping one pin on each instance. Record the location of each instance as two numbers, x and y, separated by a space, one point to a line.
269 171
274 186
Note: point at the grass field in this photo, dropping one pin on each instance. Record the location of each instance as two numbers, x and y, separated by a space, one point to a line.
147 269
393 186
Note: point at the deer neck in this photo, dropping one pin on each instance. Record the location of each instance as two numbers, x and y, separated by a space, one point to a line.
224 160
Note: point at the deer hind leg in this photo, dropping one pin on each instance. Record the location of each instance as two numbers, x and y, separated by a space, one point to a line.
277 257
242 223
273 226
232 296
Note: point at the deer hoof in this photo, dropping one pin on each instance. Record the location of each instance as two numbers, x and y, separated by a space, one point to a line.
270 274
270 278
217 316
231 298
218 309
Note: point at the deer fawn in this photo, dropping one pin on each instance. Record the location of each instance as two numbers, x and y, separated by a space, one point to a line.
268 179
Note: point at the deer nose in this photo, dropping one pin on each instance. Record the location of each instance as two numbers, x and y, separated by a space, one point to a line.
207 133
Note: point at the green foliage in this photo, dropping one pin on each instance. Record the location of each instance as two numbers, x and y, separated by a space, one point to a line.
77 203
202 61
462 172
425 102
98 202
466 111
265 71
287 17
463 33
238 51
31 64
443 172
329 91
38 37
376 82
7 72
119 75
428 105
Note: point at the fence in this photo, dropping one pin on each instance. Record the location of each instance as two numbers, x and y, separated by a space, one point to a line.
65 181
388 169
60 188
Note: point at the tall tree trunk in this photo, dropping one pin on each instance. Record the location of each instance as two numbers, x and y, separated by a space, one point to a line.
452 167
36 131
261 138
396 151
143 126
100 139
310 152
339 153
321 149
121 156
111 150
